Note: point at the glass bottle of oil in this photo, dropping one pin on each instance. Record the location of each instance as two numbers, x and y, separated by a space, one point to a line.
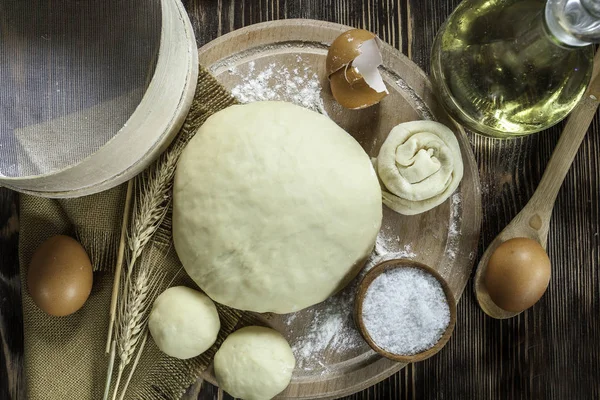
507 68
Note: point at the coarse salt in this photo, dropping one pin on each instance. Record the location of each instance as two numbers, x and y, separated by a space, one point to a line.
405 311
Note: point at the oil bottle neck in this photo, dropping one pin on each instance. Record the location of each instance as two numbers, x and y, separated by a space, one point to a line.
574 23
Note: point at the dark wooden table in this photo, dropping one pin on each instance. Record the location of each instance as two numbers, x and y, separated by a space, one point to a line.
551 351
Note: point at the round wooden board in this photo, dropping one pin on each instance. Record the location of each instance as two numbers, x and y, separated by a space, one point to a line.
444 238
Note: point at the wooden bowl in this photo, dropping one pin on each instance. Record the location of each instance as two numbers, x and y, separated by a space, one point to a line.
360 297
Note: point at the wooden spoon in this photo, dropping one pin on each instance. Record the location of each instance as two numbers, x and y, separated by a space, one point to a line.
360 298
534 220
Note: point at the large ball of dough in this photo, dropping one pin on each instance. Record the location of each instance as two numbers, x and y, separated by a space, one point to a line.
254 363
275 207
183 322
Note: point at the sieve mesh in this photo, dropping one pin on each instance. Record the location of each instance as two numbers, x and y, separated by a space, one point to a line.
71 74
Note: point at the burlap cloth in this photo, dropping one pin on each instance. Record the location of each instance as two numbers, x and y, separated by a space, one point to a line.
65 357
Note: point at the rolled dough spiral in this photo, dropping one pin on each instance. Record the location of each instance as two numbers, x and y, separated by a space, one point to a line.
419 166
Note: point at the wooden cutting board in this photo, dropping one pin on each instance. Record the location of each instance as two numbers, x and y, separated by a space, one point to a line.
332 359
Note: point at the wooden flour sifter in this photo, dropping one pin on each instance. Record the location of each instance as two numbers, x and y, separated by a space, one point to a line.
92 91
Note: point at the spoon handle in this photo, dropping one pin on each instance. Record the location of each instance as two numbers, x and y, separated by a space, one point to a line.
539 209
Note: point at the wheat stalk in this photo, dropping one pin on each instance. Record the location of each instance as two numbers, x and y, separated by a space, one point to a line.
133 312
139 292
109 373
150 210
140 281
118 268
133 367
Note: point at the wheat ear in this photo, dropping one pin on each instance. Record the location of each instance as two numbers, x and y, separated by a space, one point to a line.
149 210
134 308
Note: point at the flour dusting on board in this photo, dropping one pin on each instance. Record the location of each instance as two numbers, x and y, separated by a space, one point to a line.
384 243
332 330
454 227
299 85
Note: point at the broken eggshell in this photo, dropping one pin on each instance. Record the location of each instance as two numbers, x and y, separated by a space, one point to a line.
352 63
356 95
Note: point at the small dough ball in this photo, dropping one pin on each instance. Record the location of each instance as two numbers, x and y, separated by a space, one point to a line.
184 323
254 363
275 207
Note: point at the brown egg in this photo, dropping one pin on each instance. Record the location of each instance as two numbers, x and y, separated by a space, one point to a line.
60 276
351 88
517 274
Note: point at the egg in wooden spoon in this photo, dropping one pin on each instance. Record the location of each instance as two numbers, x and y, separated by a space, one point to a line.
517 274
520 246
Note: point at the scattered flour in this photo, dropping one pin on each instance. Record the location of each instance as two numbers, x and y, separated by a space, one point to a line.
454 227
384 244
332 329
299 85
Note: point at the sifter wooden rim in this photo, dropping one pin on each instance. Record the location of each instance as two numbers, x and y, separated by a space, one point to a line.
149 129
361 294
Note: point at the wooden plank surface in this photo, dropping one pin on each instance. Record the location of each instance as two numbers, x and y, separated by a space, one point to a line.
12 385
548 352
